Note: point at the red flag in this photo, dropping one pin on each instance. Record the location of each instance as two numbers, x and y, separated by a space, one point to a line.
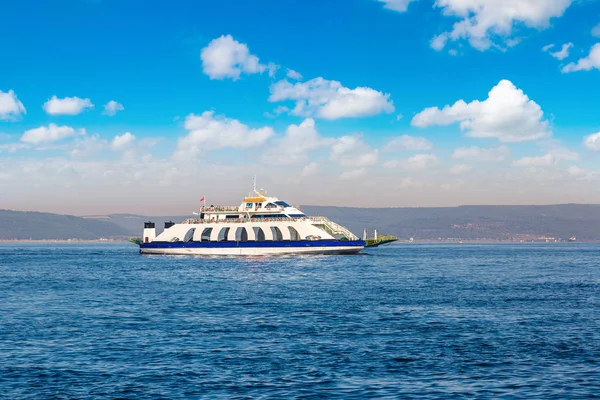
202 199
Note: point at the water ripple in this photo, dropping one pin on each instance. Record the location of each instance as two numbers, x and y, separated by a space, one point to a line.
404 321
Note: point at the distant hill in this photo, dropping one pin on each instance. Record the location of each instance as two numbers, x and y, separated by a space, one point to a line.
465 222
44 226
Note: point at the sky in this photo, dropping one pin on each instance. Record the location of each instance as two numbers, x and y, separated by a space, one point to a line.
142 106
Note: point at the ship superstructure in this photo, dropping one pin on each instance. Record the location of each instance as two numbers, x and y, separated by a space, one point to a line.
261 225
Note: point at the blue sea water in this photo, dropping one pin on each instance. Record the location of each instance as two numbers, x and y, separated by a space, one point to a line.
403 321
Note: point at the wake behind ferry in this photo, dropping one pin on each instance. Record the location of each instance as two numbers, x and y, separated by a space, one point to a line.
261 225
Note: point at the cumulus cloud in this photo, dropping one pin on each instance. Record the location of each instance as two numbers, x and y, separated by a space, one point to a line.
587 63
354 174
409 143
10 106
293 74
481 22
396 5
207 131
507 115
421 161
547 47
478 154
554 154
123 142
330 99
592 142
67 106
541 161
352 151
310 169
460 169
562 53
48 134
112 108
225 57
294 147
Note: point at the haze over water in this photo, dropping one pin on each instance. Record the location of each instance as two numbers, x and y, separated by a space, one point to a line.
409 321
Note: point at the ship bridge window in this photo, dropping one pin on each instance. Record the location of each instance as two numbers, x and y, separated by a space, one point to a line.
297 215
282 203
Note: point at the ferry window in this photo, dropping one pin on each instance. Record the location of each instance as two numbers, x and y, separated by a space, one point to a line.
277 235
282 203
249 205
223 235
271 205
206 234
259 234
294 235
241 235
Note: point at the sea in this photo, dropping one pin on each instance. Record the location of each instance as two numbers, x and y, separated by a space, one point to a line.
422 321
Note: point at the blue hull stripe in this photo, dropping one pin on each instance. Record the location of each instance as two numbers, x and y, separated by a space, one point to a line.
232 245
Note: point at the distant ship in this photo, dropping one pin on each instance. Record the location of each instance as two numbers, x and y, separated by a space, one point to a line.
572 239
261 225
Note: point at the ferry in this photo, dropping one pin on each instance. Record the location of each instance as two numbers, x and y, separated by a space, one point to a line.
261 225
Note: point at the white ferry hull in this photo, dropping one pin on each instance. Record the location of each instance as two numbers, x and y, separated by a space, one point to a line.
249 251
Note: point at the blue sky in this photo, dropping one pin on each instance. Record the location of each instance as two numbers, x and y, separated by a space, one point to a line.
206 99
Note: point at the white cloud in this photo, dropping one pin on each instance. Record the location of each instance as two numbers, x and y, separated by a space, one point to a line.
592 142
310 170
208 131
596 31
460 169
67 106
330 100
581 174
47 134
507 115
396 5
87 145
541 161
391 164
483 21
294 147
10 106
563 52
586 63
421 161
555 154
112 107
410 183
225 57
277 111
410 143
478 154
547 47
293 74
120 143
354 174
352 151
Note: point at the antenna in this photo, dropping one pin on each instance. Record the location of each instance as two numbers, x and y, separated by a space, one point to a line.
254 182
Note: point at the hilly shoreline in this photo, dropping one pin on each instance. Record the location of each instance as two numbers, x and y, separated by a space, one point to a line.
466 223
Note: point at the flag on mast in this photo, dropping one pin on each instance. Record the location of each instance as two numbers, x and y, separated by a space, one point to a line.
202 199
